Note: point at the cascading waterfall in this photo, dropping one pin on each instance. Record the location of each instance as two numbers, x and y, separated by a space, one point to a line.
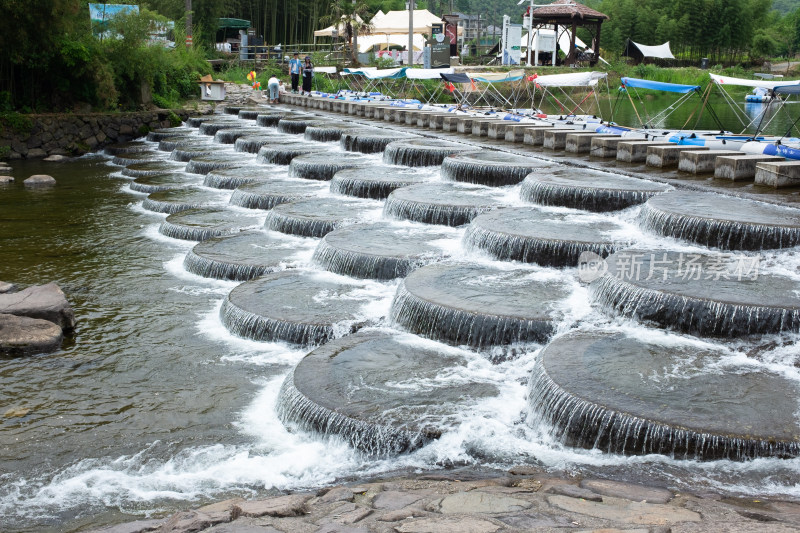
372 388
322 167
588 190
368 141
152 168
449 204
621 407
531 236
489 167
421 152
720 221
207 163
268 194
229 136
376 182
203 223
460 303
379 251
315 217
232 178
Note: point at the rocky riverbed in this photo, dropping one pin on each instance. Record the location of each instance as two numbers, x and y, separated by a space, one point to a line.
525 499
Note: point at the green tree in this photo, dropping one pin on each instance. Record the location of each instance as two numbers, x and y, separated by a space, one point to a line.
352 16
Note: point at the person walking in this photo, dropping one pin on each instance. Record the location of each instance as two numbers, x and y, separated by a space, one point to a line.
274 86
308 75
295 65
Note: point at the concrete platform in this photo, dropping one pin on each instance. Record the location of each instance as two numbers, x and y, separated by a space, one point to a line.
498 129
636 151
604 146
556 139
581 143
464 124
701 161
435 120
480 127
451 123
668 156
534 135
741 167
515 133
779 175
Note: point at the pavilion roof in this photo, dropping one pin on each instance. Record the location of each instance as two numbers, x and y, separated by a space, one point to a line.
567 9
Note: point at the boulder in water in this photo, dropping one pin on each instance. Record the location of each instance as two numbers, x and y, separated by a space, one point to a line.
39 180
21 335
45 302
6 180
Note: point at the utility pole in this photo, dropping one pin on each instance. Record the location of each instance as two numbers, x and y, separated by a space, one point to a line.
188 23
410 32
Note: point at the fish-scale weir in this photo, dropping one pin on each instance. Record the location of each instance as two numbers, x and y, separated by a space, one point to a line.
162 182
380 251
531 235
294 306
489 167
242 256
252 143
587 189
203 223
231 178
315 217
450 204
375 182
379 392
207 163
136 158
621 394
153 168
369 141
282 153
701 294
480 306
189 152
131 147
322 167
329 132
268 194
177 200
721 221
230 135
421 152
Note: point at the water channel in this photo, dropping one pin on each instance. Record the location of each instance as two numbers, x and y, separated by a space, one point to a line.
154 405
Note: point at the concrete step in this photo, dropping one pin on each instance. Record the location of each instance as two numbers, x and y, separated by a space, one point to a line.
701 161
779 175
741 167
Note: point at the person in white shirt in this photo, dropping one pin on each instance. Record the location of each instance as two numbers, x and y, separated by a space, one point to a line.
273 85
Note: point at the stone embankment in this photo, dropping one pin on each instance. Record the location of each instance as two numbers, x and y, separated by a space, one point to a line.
523 500
40 136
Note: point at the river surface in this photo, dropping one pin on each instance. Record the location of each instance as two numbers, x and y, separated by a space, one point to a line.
153 406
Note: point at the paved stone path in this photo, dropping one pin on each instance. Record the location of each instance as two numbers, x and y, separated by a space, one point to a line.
523 500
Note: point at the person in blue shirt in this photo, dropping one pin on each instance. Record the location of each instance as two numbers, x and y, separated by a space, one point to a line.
294 70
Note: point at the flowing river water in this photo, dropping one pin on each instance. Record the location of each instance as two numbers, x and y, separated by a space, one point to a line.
154 405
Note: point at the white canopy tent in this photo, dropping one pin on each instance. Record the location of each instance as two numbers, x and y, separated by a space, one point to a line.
396 22
328 32
582 87
661 51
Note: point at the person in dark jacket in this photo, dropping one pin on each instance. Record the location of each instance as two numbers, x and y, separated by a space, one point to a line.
308 75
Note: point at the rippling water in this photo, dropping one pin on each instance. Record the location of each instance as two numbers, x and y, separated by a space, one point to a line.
153 406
